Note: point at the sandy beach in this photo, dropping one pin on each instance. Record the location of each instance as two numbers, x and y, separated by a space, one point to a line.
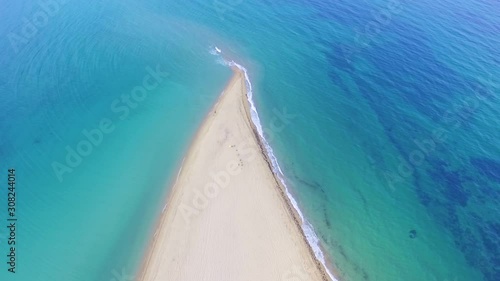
227 217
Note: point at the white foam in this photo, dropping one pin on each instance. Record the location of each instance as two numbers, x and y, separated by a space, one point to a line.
307 228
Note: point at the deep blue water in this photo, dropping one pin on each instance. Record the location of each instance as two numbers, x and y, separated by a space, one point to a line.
392 153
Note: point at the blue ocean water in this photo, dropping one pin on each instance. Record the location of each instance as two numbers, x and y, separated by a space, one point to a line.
391 150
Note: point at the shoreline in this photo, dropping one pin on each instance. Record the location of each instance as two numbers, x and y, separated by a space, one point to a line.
291 209
286 195
158 258
171 193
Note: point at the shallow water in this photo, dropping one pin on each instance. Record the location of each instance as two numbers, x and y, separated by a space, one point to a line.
392 152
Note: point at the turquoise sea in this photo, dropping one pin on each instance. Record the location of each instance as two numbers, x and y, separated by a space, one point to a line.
391 148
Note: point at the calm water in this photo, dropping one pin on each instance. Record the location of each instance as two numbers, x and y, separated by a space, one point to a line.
391 150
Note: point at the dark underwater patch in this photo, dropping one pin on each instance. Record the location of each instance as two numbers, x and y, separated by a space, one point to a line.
443 183
488 167
451 183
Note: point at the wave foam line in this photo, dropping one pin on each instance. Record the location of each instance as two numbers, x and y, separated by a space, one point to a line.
307 228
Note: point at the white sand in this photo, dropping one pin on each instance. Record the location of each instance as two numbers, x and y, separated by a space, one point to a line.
227 218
